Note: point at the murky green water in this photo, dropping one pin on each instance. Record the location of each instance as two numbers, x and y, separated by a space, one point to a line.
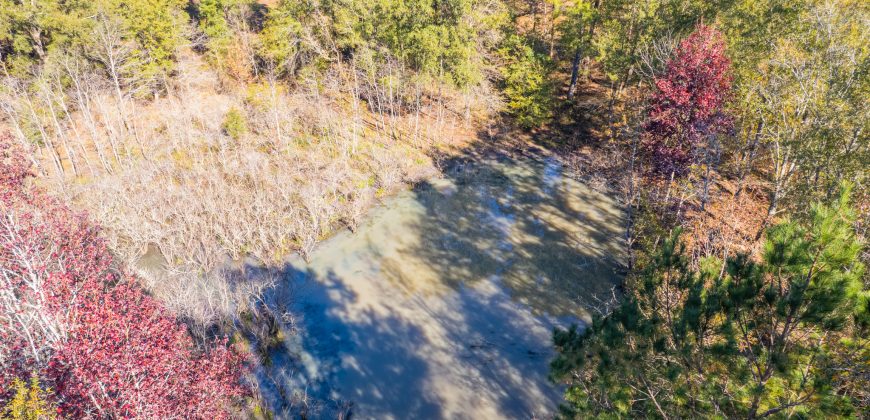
442 304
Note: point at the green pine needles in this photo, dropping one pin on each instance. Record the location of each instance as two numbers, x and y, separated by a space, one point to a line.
741 338
527 88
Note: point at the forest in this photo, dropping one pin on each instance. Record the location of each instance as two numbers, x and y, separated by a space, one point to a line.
171 169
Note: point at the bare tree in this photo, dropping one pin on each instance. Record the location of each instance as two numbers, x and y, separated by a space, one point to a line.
116 55
812 117
8 102
81 83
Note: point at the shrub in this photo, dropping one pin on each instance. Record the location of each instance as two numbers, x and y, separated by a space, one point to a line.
235 124
69 313
30 402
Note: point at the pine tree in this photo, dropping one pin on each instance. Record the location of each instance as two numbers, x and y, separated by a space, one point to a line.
527 86
744 339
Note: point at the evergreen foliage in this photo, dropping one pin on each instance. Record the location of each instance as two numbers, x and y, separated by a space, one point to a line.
742 338
145 33
235 124
527 86
435 38
155 28
32 30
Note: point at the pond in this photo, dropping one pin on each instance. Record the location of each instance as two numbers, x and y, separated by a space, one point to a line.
443 302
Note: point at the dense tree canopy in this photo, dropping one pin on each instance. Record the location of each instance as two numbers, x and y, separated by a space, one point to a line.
325 104
437 38
145 35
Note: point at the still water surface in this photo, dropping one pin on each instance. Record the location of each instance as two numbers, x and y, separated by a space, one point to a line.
442 303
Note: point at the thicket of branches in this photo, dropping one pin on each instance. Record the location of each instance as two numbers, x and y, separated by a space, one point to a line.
73 318
221 130
201 133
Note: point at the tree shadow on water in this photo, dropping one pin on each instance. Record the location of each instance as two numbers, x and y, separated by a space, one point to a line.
473 355
361 366
507 250
553 242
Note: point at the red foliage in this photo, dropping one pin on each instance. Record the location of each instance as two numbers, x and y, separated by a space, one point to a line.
13 169
687 106
106 348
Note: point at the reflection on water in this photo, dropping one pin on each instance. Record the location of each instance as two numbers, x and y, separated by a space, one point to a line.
441 305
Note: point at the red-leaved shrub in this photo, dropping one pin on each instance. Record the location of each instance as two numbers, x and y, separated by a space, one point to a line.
105 348
688 103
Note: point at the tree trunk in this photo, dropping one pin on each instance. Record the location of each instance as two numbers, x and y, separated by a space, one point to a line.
129 128
575 72
112 135
61 100
705 197
629 225
747 160
534 16
84 107
611 117
61 132
36 36
553 32
46 139
711 157
771 211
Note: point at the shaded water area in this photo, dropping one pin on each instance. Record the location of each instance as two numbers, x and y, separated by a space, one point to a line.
442 303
